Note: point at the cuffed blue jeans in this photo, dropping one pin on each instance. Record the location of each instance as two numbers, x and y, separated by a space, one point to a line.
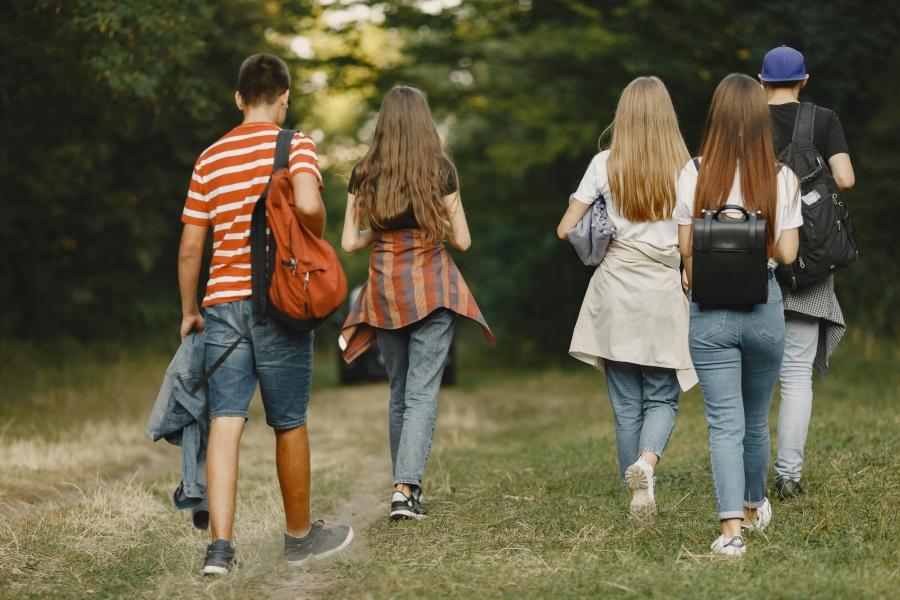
644 401
737 355
415 357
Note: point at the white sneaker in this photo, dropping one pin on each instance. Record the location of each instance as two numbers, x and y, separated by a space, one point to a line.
734 547
762 520
640 480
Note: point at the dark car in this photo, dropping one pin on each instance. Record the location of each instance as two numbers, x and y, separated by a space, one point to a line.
370 366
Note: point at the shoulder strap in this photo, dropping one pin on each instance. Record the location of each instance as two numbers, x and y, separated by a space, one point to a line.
751 230
706 233
215 366
261 260
804 123
283 149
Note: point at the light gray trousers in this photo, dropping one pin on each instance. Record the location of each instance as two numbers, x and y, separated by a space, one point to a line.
801 339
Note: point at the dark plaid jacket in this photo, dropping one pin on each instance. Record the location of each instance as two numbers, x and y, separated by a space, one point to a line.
819 301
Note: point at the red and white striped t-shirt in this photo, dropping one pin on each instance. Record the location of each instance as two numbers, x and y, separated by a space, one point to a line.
228 179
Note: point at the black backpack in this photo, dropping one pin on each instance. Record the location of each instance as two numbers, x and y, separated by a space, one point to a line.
730 261
826 237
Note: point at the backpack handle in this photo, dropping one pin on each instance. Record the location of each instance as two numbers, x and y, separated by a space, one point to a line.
714 214
710 215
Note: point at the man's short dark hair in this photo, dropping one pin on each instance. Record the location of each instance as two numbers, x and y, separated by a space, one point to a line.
781 84
262 78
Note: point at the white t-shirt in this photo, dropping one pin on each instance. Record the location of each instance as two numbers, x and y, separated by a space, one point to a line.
787 216
662 234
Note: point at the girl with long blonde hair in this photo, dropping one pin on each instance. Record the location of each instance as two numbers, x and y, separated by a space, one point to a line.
634 319
738 352
406 190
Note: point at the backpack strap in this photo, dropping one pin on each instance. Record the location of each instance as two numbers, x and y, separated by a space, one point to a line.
283 149
804 123
215 366
262 246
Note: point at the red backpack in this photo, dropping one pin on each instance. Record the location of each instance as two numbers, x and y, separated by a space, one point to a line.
296 276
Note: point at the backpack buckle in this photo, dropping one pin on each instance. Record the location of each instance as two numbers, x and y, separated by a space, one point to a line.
291 264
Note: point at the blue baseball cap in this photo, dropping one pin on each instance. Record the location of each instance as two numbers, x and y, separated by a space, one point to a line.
783 64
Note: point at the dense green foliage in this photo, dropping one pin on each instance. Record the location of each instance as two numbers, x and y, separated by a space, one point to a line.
531 86
106 104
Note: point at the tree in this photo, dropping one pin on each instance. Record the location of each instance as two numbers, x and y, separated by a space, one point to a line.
527 88
104 106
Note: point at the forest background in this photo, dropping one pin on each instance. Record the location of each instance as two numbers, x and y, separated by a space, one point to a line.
104 106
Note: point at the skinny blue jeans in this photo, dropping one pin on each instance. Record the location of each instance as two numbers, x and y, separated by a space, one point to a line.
415 357
644 401
737 355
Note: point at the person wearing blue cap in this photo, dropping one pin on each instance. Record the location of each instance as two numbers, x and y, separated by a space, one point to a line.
814 324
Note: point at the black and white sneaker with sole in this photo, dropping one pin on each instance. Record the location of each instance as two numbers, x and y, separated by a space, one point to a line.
320 543
219 558
403 507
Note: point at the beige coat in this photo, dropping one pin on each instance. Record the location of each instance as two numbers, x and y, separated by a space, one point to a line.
635 311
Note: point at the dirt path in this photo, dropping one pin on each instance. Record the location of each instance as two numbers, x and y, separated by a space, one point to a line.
355 437
366 504
102 483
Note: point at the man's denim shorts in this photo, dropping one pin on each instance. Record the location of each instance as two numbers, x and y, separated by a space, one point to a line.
281 359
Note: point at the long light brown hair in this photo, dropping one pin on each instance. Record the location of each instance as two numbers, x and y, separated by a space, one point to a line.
406 164
739 136
646 153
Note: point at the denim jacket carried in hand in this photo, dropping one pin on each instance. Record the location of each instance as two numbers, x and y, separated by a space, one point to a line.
181 418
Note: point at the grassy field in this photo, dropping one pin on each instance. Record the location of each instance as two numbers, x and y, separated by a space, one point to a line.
521 491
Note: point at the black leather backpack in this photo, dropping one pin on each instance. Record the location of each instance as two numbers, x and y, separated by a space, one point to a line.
730 259
826 237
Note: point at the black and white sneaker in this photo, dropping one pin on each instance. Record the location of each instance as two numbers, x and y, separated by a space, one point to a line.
787 489
418 498
320 543
406 507
219 558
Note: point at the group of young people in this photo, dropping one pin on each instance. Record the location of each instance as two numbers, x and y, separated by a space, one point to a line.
636 322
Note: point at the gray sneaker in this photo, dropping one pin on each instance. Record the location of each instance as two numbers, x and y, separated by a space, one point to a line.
321 542
219 558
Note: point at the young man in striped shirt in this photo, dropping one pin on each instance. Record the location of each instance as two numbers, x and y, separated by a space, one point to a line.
227 181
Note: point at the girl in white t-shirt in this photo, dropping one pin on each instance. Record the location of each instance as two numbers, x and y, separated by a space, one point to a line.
634 318
737 353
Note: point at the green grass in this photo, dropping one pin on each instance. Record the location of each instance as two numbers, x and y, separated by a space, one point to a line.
527 504
522 494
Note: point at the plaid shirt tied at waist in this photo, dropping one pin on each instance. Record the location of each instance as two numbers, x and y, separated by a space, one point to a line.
820 302
409 279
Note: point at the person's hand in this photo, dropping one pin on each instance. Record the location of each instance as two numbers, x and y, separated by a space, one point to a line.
685 285
191 323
